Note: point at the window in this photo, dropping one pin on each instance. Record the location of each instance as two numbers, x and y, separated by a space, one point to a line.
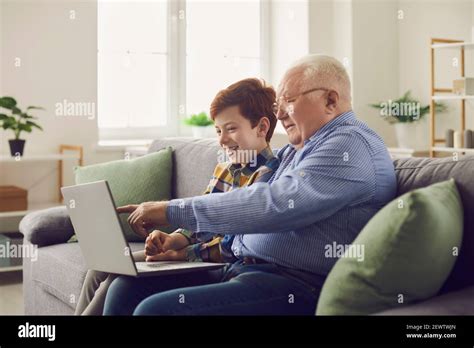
132 67
159 61
222 47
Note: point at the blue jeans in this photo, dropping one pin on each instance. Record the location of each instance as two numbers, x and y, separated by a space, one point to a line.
237 289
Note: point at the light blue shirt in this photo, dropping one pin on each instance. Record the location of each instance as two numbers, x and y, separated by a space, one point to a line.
322 194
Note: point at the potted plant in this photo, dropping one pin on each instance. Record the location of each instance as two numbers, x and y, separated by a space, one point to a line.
18 121
199 124
407 116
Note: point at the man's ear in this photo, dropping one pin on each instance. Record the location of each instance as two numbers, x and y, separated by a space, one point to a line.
332 100
263 127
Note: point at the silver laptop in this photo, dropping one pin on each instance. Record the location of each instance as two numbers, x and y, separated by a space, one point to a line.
101 237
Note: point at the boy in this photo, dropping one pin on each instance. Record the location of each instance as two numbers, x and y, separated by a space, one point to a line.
244 123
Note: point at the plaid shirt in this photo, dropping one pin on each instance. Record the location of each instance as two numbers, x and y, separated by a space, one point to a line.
226 177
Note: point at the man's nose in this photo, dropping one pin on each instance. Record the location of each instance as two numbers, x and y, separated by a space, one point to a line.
282 114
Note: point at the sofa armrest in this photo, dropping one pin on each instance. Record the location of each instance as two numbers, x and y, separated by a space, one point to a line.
453 303
47 227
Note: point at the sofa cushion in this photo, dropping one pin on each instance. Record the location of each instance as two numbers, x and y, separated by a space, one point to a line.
413 173
47 226
65 282
404 254
193 163
134 181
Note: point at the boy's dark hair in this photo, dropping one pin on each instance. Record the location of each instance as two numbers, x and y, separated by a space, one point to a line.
254 99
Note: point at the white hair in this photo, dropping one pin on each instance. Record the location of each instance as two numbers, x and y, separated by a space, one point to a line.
323 71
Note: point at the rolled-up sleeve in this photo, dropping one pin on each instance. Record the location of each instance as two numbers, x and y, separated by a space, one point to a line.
326 178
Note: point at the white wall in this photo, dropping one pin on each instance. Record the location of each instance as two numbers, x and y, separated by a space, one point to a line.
374 61
321 26
363 35
440 19
58 61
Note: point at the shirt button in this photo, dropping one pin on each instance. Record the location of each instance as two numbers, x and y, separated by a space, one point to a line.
302 174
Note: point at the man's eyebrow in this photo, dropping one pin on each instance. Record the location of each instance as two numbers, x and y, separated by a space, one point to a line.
284 94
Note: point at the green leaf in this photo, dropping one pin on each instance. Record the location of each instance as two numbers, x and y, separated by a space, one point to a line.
7 103
3 116
34 108
24 127
9 124
16 111
34 124
200 120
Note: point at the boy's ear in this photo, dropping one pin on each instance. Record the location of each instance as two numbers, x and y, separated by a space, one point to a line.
263 126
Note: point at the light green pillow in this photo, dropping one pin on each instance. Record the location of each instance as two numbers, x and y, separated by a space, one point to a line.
410 247
146 178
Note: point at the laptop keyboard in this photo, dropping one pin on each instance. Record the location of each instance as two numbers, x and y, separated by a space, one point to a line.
172 265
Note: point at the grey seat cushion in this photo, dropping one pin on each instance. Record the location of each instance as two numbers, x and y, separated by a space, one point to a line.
413 173
60 270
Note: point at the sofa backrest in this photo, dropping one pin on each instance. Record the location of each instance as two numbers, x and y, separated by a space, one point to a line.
195 159
193 163
413 173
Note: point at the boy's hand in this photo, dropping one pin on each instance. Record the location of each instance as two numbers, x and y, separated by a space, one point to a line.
161 242
170 255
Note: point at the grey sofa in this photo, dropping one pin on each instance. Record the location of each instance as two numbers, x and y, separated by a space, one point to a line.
52 283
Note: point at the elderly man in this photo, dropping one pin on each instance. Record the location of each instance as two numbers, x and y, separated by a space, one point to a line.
323 193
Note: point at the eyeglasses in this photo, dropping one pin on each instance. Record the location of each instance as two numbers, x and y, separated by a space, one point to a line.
283 102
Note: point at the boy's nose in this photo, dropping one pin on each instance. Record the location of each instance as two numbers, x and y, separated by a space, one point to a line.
223 139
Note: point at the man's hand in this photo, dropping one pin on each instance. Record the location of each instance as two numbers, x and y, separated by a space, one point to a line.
170 255
146 215
160 242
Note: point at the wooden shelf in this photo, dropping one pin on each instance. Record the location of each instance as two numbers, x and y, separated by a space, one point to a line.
453 45
446 43
11 269
452 149
31 207
452 97
398 152
36 158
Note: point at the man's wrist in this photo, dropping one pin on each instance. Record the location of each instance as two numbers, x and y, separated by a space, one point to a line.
179 213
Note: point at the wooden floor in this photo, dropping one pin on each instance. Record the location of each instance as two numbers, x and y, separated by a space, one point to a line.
11 293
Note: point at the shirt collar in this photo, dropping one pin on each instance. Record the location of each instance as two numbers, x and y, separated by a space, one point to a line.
338 120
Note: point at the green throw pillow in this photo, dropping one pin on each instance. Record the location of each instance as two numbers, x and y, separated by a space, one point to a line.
410 247
146 178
